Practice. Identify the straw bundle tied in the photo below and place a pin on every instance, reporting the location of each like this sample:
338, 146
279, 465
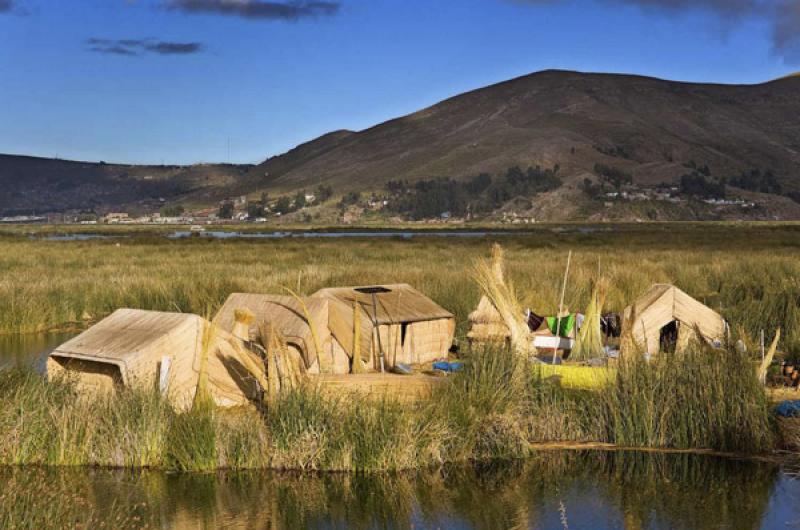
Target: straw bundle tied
589, 341
490, 279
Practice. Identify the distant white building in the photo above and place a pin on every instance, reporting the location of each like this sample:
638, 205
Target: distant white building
116, 217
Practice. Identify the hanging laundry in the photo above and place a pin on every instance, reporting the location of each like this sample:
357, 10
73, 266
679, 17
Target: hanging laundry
566, 325
534, 320
611, 324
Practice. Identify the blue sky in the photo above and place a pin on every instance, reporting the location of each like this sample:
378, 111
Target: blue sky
173, 81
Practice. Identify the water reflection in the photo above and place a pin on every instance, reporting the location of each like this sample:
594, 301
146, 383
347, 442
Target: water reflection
29, 350
553, 490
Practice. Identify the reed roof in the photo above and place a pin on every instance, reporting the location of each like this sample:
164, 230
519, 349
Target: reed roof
402, 303
124, 334
285, 313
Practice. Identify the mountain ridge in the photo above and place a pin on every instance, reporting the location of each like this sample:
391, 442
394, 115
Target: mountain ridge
652, 128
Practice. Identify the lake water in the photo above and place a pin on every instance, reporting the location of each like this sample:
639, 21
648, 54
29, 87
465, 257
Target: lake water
29, 350
558, 489
360, 234
554, 490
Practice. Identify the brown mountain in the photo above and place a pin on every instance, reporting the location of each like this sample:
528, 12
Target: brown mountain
648, 127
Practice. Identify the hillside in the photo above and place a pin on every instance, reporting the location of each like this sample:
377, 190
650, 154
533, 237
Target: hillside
647, 126
651, 128
40, 185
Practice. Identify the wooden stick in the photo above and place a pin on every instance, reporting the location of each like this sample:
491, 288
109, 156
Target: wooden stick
561, 307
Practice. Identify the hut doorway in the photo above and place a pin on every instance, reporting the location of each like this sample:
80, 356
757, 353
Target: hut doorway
668, 338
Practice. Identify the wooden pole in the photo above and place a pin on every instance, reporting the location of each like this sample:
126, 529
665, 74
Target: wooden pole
377, 329
561, 307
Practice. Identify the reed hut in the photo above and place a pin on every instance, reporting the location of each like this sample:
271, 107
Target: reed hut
666, 317
156, 350
293, 318
396, 320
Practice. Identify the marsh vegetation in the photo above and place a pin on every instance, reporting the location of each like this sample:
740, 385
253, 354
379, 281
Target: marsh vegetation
687, 401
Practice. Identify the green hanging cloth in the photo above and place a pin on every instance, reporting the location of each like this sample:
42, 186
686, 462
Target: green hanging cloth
567, 324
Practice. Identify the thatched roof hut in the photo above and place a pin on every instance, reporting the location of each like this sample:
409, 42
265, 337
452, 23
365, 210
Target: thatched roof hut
665, 305
412, 328
287, 315
151, 349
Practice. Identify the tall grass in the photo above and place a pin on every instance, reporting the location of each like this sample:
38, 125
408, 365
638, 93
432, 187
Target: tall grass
699, 399
696, 398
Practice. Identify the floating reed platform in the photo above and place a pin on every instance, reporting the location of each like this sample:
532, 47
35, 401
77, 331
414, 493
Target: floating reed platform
405, 388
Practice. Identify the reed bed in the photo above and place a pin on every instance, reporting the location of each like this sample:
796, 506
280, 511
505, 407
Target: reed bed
486, 412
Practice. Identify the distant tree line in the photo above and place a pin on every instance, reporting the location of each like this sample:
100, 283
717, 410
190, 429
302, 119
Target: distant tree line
698, 185
610, 179
480, 193
755, 180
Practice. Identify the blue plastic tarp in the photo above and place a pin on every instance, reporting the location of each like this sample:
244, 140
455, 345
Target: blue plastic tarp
448, 367
788, 409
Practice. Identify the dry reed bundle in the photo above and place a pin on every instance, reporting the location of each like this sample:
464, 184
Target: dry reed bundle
491, 280
324, 362
589, 341
762, 370
283, 371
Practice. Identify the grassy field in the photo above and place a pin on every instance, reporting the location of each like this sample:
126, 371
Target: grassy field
748, 272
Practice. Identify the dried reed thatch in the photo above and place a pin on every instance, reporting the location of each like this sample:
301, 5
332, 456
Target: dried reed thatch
501, 294
486, 324
357, 366
589, 340
324, 362
202, 394
283, 369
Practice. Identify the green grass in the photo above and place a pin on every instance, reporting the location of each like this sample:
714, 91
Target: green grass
697, 398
